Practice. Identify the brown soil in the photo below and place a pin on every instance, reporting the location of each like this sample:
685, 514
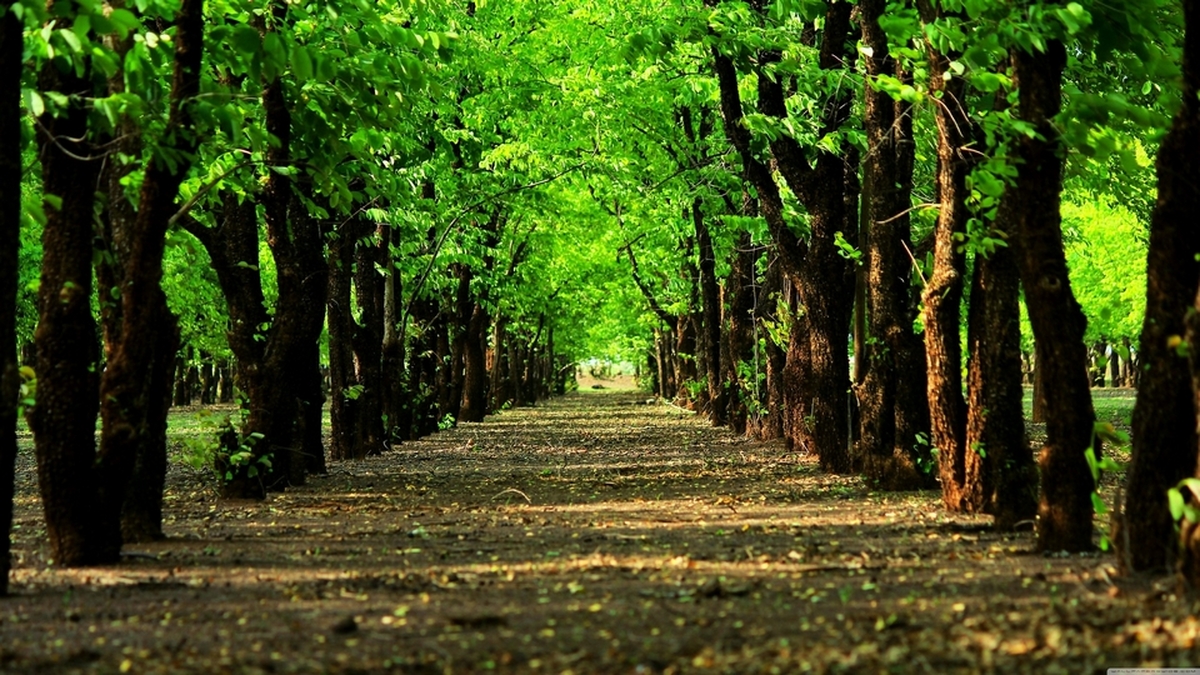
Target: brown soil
595, 533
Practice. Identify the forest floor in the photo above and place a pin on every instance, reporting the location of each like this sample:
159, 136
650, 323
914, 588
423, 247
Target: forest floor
596, 533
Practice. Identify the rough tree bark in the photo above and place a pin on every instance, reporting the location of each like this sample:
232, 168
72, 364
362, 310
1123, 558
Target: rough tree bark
395, 400
710, 307
817, 377
1065, 506
11, 53
475, 380
738, 343
67, 362
345, 391
995, 419
135, 388
892, 399
960, 471
1164, 417
368, 341
423, 366
769, 423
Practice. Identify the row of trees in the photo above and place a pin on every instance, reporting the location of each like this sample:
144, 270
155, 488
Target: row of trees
445, 202
280, 161
841, 123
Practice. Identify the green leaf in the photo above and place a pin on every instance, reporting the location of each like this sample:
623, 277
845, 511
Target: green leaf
1192, 484
1098, 504
1191, 513
34, 102
72, 40
1175, 503
302, 65
83, 25
245, 39
123, 21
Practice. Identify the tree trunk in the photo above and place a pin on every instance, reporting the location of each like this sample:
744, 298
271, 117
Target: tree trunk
11, 67
309, 389
663, 363
225, 385
960, 468
769, 424
475, 380
1065, 508
368, 344
67, 366
499, 370
1004, 467
1039, 388
302, 279
710, 303
1164, 417
815, 393
686, 371
423, 366
984, 459
464, 306
346, 440
739, 338
395, 399
893, 402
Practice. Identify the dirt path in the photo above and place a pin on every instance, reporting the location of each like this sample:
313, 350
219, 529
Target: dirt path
591, 534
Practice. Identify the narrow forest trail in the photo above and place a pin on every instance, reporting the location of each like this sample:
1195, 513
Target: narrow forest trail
593, 533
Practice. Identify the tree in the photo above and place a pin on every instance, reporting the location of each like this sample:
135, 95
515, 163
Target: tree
67, 364
1164, 418
1065, 506
894, 410
984, 462
12, 47
136, 384
817, 376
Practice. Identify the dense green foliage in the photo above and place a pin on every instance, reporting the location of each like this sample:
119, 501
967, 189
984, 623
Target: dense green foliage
582, 99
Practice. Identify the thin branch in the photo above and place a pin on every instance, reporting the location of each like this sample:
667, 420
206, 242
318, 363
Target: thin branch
187, 206
421, 280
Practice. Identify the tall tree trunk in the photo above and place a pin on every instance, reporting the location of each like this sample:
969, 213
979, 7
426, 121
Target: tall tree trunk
309, 390
232, 247
67, 365
136, 386
499, 372
893, 402
960, 469
739, 338
1164, 417
346, 440
1004, 471
984, 459
816, 392
475, 376
475, 380
770, 295
11, 67
450, 401
686, 368
710, 306
394, 383
302, 278
368, 343
423, 365
1065, 507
